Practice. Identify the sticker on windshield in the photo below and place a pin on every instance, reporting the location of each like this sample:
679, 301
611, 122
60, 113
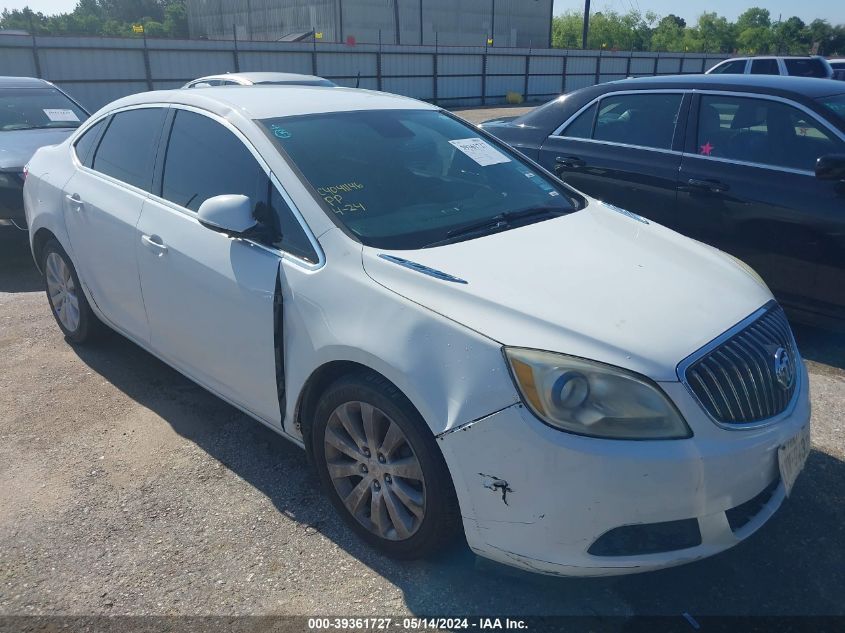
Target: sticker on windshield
57, 114
480, 151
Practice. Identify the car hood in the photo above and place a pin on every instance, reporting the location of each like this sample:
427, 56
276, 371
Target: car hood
18, 146
598, 284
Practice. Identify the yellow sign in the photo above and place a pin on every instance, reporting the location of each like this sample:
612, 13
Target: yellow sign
489, 41
318, 35
137, 28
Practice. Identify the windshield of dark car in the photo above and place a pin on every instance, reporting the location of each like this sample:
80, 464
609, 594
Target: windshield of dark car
405, 179
835, 103
31, 108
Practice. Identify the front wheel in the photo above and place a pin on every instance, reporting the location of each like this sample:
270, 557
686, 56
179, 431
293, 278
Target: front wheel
64, 292
382, 469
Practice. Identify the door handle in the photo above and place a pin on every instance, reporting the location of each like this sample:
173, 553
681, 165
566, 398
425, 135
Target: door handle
710, 185
75, 201
154, 242
569, 162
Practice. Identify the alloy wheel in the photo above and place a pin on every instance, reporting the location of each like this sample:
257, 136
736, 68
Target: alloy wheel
374, 470
62, 291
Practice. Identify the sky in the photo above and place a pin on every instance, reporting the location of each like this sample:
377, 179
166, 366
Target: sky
831, 10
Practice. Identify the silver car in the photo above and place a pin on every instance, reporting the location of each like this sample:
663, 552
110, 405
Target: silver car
33, 113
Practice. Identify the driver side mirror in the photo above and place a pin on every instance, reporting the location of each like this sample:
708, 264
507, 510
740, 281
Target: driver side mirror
229, 213
831, 167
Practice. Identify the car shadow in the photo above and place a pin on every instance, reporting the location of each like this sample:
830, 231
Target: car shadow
823, 346
793, 565
17, 269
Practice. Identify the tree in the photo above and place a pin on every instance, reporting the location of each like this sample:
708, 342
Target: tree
176, 20
566, 30
669, 34
712, 34
789, 36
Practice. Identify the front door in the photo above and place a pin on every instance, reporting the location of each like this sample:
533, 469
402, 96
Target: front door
747, 186
214, 302
621, 149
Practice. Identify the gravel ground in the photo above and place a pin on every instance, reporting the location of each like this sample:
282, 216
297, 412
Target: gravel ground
126, 489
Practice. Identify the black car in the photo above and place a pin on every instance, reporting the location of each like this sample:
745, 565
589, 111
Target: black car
33, 113
752, 164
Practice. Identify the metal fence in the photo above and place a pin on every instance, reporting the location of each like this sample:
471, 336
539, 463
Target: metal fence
98, 70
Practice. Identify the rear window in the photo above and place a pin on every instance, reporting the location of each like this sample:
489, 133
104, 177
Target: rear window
806, 67
735, 67
38, 108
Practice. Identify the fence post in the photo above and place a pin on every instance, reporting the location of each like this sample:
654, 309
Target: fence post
598, 67
527, 71
147, 72
563, 75
434, 68
656, 58
235, 54
628, 65
35, 57
703, 64
378, 62
314, 54
484, 76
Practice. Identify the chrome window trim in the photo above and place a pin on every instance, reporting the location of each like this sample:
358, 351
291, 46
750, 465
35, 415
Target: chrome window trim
614, 93
321, 257
784, 100
626, 145
681, 369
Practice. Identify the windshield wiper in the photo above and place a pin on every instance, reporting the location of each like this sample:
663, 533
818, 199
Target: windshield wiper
504, 220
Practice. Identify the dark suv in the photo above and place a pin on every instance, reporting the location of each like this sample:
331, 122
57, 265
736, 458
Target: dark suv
33, 113
753, 164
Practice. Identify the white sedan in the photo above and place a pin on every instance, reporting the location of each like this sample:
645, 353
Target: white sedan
456, 338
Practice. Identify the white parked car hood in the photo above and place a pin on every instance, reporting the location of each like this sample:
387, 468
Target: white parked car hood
596, 284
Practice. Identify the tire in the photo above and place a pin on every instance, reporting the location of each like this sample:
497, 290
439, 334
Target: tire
411, 472
64, 292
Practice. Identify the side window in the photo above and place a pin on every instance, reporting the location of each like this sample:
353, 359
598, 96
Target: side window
765, 67
762, 131
582, 126
127, 151
647, 120
84, 146
735, 67
204, 160
810, 67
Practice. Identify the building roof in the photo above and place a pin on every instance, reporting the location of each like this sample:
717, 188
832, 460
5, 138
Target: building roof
263, 102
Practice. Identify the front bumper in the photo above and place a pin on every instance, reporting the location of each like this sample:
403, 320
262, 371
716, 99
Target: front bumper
538, 498
11, 196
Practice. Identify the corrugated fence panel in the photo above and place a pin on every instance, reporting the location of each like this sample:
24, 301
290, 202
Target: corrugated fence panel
284, 62
407, 65
606, 78
187, 65
64, 64
669, 65
17, 62
98, 70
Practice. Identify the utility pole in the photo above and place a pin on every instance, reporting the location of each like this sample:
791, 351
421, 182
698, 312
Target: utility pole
586, 29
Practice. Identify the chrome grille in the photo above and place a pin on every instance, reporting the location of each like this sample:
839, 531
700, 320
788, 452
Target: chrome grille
737, 381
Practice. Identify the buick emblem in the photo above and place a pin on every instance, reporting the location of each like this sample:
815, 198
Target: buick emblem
784, 368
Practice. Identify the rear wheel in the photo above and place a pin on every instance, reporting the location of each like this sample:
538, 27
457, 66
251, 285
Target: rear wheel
64, 292
382, 469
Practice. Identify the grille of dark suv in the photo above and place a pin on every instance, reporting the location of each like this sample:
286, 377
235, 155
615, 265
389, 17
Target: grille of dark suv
751, 376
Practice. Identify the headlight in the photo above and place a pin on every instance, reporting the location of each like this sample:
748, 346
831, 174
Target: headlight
594, 399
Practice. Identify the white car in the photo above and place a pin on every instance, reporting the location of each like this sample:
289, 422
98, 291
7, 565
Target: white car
259, 79
456, 338
797, 66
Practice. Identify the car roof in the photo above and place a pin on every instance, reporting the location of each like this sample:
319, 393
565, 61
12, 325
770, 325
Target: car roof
807, 86
259, 77
24, 82
263, 102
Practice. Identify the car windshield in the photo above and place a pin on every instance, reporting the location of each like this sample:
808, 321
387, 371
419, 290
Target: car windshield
33, 108
836, 104
406, 179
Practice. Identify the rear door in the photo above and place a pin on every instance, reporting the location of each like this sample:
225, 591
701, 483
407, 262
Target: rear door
103, 201
623, 148
747, 186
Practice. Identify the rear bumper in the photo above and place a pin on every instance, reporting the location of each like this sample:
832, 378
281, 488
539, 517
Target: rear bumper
541, 499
